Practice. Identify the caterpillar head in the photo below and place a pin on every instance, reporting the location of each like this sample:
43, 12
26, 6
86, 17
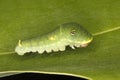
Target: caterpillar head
75, 34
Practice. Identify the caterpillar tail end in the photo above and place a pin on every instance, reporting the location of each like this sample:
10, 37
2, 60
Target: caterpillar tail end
19, 50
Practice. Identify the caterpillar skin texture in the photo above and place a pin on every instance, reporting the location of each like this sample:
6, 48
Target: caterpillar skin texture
68, 34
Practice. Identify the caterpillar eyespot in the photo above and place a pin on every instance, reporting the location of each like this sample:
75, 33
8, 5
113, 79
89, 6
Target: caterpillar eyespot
73, 32
56, 40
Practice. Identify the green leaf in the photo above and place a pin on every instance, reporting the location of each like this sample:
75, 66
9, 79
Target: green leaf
25, 19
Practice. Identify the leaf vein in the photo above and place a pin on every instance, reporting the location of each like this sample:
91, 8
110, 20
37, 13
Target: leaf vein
106, 31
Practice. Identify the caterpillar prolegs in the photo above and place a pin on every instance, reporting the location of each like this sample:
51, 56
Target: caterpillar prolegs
67, 34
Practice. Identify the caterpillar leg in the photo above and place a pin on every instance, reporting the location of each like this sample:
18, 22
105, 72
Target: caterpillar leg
40, 50
72, 46
62, 48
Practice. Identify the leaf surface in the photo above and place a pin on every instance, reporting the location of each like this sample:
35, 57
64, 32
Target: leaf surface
24, 19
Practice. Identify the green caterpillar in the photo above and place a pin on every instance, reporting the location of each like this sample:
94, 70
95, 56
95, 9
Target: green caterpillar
68, 34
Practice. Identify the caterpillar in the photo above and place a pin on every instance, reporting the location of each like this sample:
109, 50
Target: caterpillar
67, 34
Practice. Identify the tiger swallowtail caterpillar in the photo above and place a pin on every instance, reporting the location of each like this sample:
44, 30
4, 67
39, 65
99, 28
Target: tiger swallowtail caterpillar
67, 34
